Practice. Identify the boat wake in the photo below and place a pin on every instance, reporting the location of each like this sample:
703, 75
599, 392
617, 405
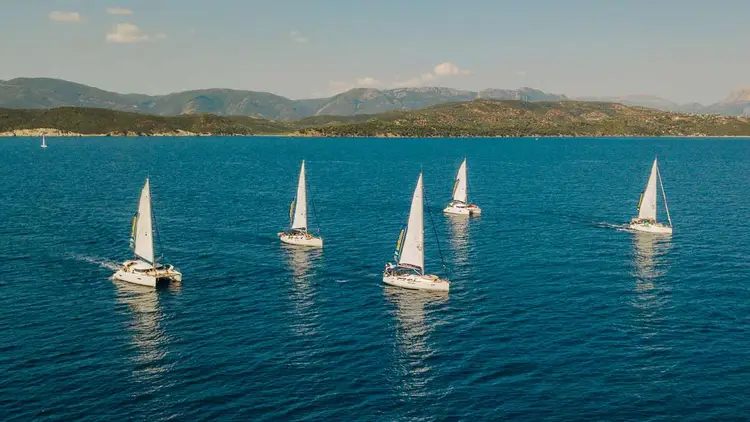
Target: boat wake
110, 265
619, 227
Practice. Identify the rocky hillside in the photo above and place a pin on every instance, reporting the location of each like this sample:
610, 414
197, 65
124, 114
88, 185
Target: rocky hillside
49, 93
41, 93
520, 118
90, 121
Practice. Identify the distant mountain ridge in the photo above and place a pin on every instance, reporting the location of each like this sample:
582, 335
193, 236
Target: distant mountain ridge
43, 93
737, 103
36, 93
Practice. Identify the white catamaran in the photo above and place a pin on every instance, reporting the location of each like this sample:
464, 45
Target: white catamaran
409, 271
143, 268
460, 204
646, 220
44, 142
297, 233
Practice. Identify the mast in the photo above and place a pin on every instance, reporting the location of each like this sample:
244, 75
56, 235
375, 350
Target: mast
144, 239
647, 205
460, 191
664, 195
300, 202
412, 251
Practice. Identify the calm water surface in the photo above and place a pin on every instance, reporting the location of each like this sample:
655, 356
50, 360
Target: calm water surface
554, 313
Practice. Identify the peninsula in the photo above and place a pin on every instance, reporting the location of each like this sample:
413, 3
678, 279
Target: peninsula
478, 118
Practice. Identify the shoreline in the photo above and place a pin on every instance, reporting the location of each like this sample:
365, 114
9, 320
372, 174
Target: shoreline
57, 133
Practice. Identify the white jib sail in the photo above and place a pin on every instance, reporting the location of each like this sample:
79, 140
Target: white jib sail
412, 252
459, 190
144, 239
300, 205
647, 208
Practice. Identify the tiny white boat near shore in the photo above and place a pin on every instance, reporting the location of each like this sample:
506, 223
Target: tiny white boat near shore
408, 272
143, 269
460, 204
646, 220
297, 233
44, 142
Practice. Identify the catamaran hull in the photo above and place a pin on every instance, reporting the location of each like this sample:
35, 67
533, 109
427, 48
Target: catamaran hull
651, 228
301, 240
417, 282
462, 209
151, 278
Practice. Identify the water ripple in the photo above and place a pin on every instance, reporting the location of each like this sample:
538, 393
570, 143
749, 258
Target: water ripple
556, 310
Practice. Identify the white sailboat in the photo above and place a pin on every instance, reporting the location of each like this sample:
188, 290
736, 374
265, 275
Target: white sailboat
646, 220
297, 233
44, 142
409, 271
143, 268
460, 203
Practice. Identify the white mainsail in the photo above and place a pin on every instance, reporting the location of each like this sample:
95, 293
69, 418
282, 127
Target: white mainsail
459, 188
144, 240
412, 252
300, 210
647, 206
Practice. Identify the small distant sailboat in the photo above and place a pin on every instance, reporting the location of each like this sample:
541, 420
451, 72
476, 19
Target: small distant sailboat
44, 142
297, 233
646, 220
459, 205
409, 271
143, 268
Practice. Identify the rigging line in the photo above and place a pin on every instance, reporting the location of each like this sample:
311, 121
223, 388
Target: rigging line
312, 201
434, 230
156, 227
664, 195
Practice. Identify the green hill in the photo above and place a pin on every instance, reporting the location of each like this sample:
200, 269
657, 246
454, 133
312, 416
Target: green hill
520, 118
474, 118
100, 121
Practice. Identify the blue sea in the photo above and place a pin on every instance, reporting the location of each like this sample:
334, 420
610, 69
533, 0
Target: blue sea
555, 312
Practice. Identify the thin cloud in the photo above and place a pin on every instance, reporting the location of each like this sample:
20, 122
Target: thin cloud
367, 81
297, 37
71, 17
521, 73
449, 69
119, 11
440, 71
126, 33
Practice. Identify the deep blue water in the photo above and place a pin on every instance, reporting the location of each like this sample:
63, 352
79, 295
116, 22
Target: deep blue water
554, 313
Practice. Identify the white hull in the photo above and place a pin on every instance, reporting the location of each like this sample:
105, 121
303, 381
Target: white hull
651, 228
417, 282
462, 209
149, 277
301, 240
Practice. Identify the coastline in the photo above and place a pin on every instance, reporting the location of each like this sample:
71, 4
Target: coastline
52, 133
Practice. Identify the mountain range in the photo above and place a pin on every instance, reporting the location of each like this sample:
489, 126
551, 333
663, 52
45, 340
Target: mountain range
44, 93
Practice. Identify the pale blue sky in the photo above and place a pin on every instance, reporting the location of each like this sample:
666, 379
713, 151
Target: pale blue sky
686, 50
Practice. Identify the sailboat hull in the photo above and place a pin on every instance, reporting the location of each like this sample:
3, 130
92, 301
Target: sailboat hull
142, 273
656, 228
307, 240
462, 209
417, 282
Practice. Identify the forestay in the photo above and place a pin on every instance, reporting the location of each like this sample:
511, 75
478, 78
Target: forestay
300, 211
144, 240
412, 252
647, 207
460, 189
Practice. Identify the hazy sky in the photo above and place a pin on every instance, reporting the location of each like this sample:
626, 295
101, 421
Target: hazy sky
688, 50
